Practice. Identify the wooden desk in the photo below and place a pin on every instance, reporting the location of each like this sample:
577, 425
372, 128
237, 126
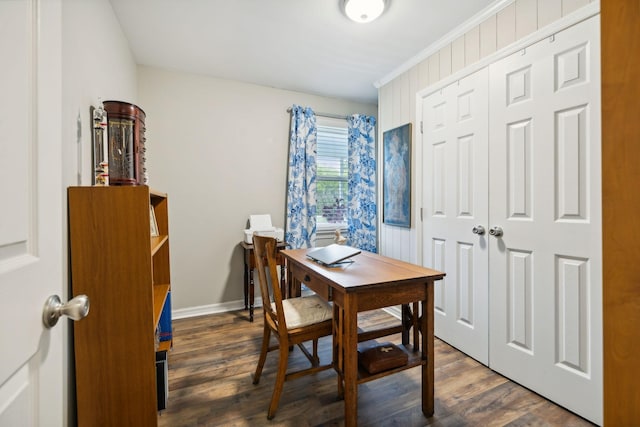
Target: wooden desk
249, 266
370, 282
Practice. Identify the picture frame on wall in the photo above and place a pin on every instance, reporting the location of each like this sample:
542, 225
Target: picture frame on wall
397, 176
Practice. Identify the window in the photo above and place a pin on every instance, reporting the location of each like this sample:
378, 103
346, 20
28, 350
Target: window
332, 174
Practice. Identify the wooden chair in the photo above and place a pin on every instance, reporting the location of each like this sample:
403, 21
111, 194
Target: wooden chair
293, 321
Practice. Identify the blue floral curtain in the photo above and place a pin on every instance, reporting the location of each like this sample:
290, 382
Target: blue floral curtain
300, 229
361, 207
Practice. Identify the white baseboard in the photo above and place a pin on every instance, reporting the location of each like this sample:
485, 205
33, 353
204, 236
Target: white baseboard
395, 311
184, 313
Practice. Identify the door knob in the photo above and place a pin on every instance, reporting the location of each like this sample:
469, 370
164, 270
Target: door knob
76, 309
478, 229
495, 231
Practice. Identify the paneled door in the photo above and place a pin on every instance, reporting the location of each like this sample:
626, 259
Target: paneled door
32, 371
455, 197
545, 211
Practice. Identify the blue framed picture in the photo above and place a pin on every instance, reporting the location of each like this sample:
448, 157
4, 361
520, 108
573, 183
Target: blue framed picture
397, 176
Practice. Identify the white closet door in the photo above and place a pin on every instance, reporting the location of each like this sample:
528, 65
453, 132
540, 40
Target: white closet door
455, 196
545, 194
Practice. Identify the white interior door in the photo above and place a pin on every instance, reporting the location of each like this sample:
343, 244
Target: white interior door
455, 197
31, 368
545, 194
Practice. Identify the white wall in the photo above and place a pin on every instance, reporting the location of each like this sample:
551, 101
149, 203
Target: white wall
219, 149
457, 50
96, 62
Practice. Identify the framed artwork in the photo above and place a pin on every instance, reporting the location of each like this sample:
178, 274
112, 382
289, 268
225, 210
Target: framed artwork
152, 222
397, 176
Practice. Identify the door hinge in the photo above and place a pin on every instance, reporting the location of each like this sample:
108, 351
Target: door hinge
420, 214
421, 126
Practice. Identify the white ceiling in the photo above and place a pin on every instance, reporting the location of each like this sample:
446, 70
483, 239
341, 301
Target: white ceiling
301, 45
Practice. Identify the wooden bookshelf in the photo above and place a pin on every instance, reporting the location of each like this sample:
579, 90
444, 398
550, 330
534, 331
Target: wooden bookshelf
125, 272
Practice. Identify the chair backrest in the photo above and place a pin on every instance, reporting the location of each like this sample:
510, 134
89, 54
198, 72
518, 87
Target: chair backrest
264, 250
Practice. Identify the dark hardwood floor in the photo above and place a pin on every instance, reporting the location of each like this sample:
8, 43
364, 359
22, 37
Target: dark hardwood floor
214, 357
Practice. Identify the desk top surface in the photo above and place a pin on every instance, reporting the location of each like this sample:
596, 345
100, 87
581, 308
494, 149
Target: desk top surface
367, 269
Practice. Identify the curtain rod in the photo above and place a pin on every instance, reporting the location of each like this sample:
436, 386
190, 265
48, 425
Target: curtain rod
331, 116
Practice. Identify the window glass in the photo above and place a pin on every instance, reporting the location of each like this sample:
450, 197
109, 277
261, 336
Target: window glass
332, 174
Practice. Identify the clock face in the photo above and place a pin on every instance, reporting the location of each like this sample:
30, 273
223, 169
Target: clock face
122, 165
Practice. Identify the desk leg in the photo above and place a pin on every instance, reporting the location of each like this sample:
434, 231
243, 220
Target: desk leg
283, 283
338, 334
350, 367
410, 319
406, 323
426, 327
415, 319
246, 285
251, 295
291, 284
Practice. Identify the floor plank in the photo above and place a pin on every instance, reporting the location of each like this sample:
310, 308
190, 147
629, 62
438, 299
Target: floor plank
214, 357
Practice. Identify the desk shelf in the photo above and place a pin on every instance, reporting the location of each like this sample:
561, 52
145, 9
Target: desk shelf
415, 359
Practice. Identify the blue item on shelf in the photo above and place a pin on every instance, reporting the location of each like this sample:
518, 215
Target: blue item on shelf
166, 331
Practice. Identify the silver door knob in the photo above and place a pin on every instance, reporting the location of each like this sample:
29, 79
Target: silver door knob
76, 309
478, 229
495, 231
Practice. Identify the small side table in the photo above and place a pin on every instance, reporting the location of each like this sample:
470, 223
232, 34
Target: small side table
250, 265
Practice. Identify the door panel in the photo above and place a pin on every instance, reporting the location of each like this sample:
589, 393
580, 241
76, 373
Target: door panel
519, 305
573, 303
572, 168
31, 380
544, 180
437, 259
455, 196
519, 197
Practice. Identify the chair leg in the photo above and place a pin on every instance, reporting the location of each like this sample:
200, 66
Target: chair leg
340, 388
316, 359
263, 353
283, 360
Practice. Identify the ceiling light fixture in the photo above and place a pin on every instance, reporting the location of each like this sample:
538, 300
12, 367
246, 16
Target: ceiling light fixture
363, 11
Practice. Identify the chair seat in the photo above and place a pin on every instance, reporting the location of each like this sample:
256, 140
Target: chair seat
304, 311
